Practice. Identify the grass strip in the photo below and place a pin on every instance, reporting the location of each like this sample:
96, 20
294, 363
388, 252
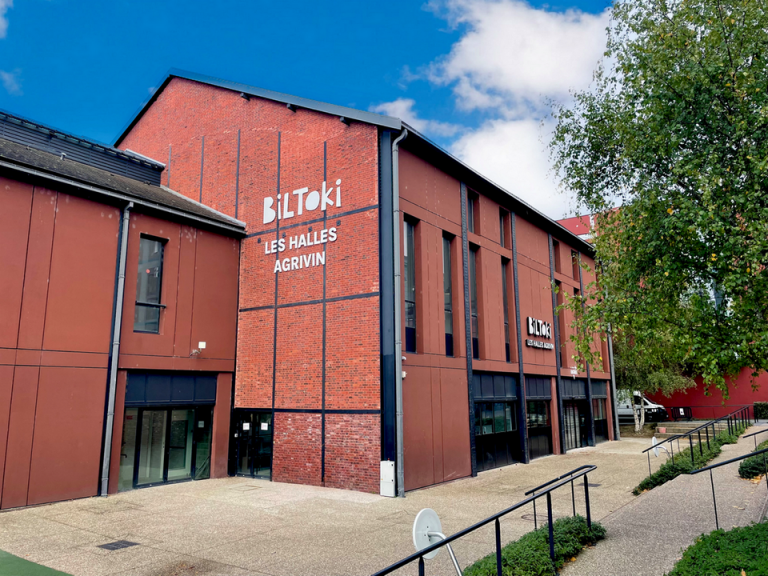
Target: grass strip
682, 463
736, 552
11, 565
529, 556
754, 466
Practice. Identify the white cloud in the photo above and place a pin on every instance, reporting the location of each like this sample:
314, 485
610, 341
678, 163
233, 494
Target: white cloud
4, 6
11, 82
510, 59
403, 108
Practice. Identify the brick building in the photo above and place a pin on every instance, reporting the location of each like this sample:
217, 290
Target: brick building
394, 305
111, 285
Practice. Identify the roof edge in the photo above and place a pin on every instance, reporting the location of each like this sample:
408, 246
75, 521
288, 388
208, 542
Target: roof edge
388, 122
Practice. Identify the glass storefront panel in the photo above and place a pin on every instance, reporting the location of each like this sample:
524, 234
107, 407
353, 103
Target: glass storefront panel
254, 444
203, 429
128, 449
152, 447
180, 445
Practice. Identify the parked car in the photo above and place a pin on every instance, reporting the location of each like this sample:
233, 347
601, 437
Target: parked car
626, 404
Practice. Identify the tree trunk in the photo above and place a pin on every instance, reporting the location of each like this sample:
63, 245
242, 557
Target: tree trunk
639, 413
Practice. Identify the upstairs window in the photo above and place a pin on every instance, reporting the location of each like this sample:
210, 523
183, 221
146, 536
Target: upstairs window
472, 212
473, 301
575, 261
409, 265
447, 296
505, 299
503, 226
149, 285
556, 253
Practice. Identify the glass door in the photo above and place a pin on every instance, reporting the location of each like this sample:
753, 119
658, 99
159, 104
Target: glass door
165, 445
253, 444
152, 442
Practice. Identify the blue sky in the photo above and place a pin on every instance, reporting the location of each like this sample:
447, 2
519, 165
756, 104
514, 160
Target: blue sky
471, 74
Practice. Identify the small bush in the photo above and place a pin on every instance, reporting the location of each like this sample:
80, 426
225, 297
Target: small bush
529, 556
753, 467
760, 410
732, 553
682, 463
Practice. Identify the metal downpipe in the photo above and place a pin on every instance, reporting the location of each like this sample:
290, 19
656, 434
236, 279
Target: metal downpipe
115, 350
399, 468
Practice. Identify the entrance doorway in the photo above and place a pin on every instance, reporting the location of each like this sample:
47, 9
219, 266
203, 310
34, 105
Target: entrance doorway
601, 419
163, 445
497, 440
539, 428
253, 444
575, 414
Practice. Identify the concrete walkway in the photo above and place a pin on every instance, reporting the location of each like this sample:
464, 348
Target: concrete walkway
240, 526
648, 535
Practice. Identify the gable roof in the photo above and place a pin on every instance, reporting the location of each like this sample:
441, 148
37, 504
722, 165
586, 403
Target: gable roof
416, 142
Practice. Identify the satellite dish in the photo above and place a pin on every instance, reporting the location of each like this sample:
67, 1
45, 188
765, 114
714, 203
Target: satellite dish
427, 521
655, 443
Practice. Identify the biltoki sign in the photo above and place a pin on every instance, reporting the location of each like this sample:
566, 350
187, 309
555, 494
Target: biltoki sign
541, 329
286, 206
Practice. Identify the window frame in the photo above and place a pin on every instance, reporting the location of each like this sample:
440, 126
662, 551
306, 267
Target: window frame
140, 303
409, 277
448, 294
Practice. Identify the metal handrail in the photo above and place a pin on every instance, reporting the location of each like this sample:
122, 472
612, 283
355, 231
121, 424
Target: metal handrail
755, 434
741, 414
568, 477
731, 461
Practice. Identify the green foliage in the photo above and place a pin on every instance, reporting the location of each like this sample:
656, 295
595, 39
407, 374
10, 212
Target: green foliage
761, 410
529, 556
732, 553
754, 466
682, 463
675, 132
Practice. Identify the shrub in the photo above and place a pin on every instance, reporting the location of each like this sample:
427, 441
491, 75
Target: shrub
754, 466
682, 463
529, 556
760, 410
735, 552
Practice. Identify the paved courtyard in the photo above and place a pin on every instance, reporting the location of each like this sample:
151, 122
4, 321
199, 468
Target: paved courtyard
241, 526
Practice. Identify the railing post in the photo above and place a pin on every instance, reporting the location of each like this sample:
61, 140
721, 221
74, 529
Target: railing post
551, 527
498, 548
714, 500
573, 498
672, 449
649, 463
586, 498
535, 519
690, 441
701, 448
707, 431
421, 565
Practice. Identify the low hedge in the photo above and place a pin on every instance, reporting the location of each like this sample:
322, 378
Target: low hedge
733, 553
760, 410
529, 556
753, 467
682, 463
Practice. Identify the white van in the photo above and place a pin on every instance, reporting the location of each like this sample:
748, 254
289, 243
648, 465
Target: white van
653, 412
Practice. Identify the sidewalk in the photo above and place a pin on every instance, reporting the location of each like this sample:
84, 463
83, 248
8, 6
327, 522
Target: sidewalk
648, 535
242, 526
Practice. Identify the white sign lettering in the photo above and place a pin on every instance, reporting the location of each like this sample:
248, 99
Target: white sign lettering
280, 208
539, 328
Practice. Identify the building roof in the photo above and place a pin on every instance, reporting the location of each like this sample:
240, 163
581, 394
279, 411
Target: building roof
100, 183
416, 142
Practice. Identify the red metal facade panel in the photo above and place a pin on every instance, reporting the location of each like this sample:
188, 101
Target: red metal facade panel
6, 388
82, 276
69, 419
21, 428
36, 276
16, 200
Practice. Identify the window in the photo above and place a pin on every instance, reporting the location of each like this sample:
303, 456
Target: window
556, 253
149, 286
494, 418
447, 296
575, 265
409, 261
472, 212
473, 301
503, 219
538, 413
505, 299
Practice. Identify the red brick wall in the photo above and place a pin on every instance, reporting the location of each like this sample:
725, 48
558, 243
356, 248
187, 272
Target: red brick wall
308, 146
